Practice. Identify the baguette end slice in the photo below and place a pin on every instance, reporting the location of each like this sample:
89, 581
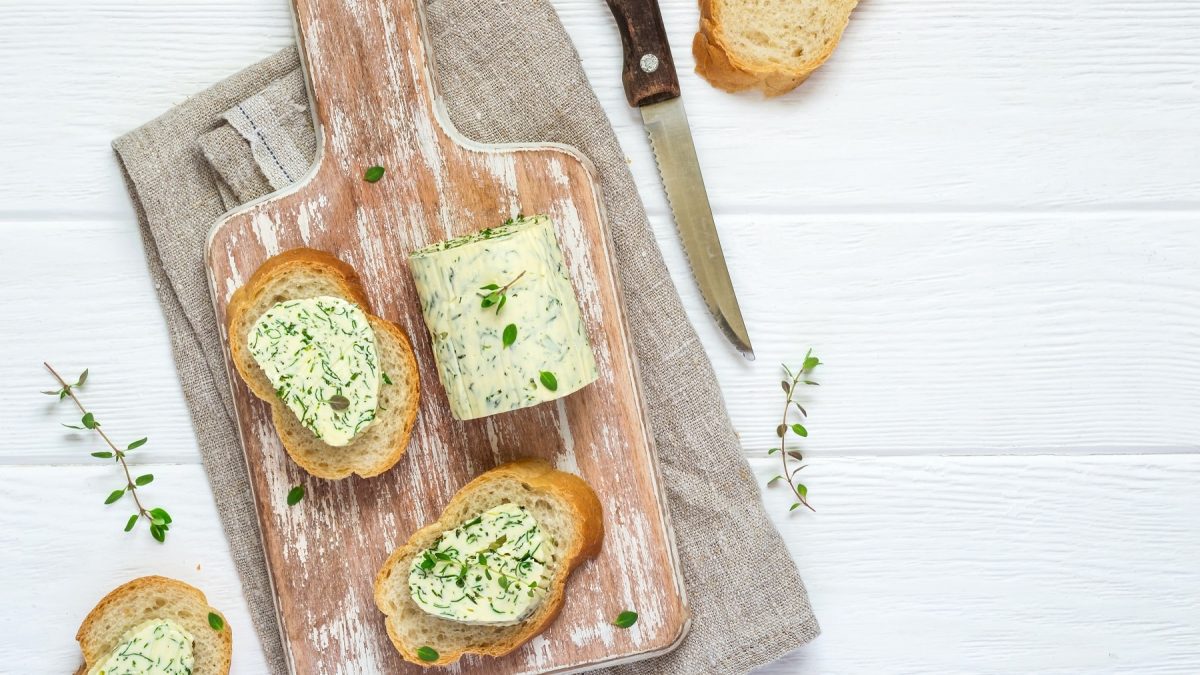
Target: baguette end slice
566, 509
153, 597
306, 273
772, 45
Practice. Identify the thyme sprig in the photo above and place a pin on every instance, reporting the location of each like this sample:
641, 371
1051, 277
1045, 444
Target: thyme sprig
496, 294
793, 381
157, 517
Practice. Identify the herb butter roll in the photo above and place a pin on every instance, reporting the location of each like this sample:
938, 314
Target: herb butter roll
504, 320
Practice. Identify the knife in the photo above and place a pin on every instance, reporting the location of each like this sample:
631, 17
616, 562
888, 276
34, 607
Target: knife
652, 86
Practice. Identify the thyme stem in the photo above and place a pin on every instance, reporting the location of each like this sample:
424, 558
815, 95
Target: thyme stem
783, 442
119, 454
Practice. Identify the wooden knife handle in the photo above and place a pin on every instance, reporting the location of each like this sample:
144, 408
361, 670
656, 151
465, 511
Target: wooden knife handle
649, 71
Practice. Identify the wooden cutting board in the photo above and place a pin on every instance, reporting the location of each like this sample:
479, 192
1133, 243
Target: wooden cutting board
369, 72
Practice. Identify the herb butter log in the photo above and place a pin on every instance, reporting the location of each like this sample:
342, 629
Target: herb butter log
155, 626
505, 324
492, 572
342, 383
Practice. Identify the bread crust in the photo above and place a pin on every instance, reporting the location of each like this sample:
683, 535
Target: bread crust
541, 477
350, 287
136, 587
718, 63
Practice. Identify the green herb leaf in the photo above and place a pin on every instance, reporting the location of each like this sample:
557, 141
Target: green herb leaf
626, 619
549, 381
802, 490
504, 582
114, 496
428, 563
500, 305
774, 480
373, 174
159, 533
89, 421
82, 378
52, 392
131, 522
510, 334
490, 287
71, 426
810, 363
787, 387
295, 495
772, 451
799, 430
144, 479
386, 379
136, 444
215, 621
102, 455
427, 654
794, 506
811, 383
161, 514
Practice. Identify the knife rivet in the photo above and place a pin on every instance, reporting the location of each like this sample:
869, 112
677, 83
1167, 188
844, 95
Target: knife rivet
649, 63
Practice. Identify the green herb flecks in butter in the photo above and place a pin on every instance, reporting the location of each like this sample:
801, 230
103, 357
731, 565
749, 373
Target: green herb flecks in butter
489, 570
473, 289
320, 355
155, 647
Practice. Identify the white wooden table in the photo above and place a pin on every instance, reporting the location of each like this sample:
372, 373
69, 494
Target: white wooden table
984, 215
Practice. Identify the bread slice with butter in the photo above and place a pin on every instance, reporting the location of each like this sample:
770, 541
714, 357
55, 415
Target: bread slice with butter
512, 537
342, 383
772, 45
156, 626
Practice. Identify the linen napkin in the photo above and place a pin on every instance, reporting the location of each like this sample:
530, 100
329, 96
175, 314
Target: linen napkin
252, 134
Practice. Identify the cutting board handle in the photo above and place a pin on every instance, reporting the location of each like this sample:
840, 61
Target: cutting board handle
368, 69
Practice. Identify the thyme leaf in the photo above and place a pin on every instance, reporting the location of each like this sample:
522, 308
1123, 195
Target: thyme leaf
626, 619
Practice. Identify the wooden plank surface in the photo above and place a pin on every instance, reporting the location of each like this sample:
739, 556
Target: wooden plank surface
1024, 126
324, 555
1045, 564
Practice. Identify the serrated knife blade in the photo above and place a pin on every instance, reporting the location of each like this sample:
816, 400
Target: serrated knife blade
652, 86
675, 152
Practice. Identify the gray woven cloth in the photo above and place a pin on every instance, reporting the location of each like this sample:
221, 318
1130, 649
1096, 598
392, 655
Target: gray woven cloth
252, 134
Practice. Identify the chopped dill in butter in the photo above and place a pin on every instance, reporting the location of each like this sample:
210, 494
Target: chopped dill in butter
489, 570
320, 355
155, 647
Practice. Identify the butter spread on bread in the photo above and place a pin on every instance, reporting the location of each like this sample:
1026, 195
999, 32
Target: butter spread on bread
320, 355
569, 521
154, 647
482, 373
485, 571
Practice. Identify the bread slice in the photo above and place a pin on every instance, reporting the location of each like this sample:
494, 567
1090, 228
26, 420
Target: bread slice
307, 273
140, 600
772, 45
567, 511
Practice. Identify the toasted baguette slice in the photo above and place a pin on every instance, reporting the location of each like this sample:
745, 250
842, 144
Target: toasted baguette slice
307, 273
566, 510
148, 598
772, 45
